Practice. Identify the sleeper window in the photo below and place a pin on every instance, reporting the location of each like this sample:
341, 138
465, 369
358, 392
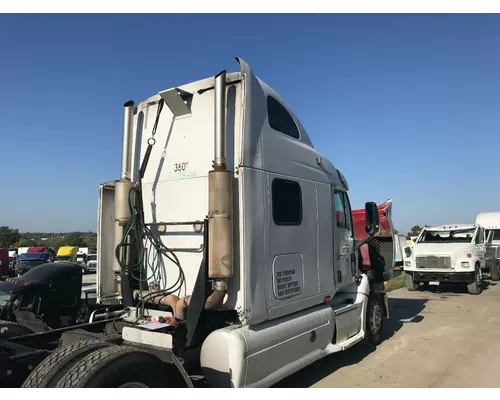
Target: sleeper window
286, 202
280, 119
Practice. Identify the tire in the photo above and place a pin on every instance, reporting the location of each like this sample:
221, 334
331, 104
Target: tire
494, 271
410, 283
115, 367
475, 287
374, 320
50, 370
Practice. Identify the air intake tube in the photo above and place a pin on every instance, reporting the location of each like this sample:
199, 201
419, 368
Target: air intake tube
220, 239
122, 210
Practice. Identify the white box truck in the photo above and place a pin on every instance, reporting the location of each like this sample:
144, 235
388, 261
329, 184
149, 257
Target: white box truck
447, 254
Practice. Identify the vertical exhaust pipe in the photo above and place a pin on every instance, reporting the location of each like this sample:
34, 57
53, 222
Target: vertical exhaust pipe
122, 210
220, 121
128, 118
123, 186
220, 241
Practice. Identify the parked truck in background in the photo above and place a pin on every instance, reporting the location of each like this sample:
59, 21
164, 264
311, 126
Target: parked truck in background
92, 262
28, 261
4, 263
67, 254
490, 221
447, 254
12, 261
235, 248
39, 249
22, 250
81, 259
42, 249
385, 242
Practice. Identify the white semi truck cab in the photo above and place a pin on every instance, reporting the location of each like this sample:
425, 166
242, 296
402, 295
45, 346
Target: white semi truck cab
229, 241
447, 254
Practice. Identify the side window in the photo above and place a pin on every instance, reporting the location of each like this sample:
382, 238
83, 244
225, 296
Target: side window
286, 202
280, 119
340, 212
348, 213
479, 237
28, 299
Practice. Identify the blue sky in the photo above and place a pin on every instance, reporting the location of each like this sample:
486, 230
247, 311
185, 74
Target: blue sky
407, 106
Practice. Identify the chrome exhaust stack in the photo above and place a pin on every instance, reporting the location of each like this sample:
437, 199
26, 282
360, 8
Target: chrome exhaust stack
122, 191
128, 119
220, 241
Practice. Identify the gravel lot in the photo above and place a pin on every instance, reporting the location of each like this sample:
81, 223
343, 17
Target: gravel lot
439, 338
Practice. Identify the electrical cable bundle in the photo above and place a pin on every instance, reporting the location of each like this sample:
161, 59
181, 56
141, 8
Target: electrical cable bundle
146, 242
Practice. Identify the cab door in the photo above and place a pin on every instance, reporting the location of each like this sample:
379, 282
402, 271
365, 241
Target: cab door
345, 256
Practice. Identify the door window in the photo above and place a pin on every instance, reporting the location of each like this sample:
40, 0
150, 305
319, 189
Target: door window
343, 213
479, 237
348, 213
340, 212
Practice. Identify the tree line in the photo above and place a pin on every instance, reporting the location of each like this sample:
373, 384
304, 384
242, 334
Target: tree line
12, 238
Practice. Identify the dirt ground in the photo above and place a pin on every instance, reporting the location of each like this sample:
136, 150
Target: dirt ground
439, 338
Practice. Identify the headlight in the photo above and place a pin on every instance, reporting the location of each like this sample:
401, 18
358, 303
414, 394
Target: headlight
465, 264
407, 263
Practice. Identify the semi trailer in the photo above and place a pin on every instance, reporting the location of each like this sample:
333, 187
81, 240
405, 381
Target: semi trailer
230, 245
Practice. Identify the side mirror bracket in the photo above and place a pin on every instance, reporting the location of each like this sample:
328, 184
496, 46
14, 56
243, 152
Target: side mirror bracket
372, 222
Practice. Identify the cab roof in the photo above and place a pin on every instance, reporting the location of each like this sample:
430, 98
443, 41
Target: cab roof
452, 227
489, 220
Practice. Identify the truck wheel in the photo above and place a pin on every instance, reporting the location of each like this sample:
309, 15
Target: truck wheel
410, 283
50, 370
475, 287
117, 367
494, 271
374, 320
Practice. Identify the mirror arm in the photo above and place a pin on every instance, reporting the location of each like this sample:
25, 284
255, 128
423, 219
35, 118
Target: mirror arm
360, 243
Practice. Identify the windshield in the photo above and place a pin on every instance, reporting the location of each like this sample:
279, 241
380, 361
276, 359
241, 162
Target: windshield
30, 263
451, 236
496, 233
63, 258
93, 257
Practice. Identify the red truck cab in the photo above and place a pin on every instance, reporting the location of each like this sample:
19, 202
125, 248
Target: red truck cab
378, 254
4, 263
38, 250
